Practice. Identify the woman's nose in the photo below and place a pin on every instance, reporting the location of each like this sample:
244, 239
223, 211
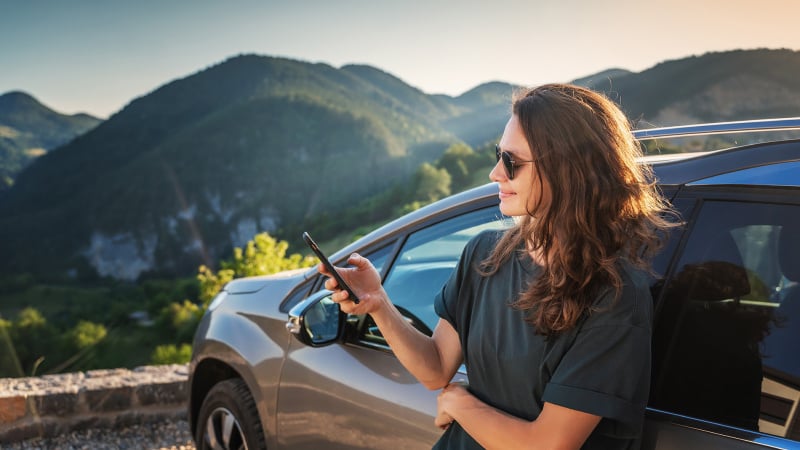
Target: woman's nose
497, 174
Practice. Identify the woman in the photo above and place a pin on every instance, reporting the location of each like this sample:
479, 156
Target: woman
553, 316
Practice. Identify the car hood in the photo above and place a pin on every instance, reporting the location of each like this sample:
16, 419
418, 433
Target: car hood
253, 284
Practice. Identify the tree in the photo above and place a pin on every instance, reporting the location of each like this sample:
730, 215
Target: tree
211, 283
34, 339
264, 255
458, 160
30, 319
180, 319
86, 334
431, 183
172, 354
9, 362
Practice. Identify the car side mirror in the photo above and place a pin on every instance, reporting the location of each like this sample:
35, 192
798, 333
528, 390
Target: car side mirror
316, 321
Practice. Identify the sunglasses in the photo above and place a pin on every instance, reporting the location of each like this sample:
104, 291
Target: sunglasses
509, 163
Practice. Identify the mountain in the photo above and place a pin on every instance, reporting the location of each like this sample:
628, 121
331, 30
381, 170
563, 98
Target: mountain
602, 78
29, 129
487, 108
180, 175
718, 86
257, 143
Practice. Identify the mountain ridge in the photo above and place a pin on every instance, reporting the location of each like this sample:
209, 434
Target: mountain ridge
258, 143
212, 152
29, 129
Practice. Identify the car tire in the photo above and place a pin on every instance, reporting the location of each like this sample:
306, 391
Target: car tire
228, 419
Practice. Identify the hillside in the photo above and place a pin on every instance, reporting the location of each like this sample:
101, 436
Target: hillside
601, 80
723, 86
29, 129
256, 143
182, 174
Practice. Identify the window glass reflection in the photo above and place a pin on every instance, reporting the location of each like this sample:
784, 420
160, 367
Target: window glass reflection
730, 318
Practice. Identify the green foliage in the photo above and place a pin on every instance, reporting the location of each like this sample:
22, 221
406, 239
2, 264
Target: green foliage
463, 163
413, 206
9, 361
263, 255
171, 354
86, 334
157, 294
180, 320
455, 161
15, 282
64, 304
211, 283
34, 340
431, 183
182, 314
30, 319
81, 327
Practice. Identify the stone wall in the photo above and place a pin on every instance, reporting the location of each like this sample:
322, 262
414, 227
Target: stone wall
54, 404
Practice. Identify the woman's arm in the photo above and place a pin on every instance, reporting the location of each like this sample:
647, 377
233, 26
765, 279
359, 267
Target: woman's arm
433, 360
556, 427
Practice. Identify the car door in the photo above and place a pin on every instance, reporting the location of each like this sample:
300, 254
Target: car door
356, 394
726, 370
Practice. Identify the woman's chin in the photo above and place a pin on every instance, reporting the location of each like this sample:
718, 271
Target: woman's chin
511, 210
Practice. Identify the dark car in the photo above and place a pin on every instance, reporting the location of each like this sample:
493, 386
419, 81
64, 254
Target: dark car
277, 365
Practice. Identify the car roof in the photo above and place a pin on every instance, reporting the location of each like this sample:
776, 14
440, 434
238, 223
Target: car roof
680, 169
696, 167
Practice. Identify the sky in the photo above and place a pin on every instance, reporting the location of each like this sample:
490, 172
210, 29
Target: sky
95, 56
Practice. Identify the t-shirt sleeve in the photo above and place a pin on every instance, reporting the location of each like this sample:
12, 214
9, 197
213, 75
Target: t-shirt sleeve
446, 301
449, 302
606, 372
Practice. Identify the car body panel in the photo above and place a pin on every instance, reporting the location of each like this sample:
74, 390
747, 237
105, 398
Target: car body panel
385, 407
668, 431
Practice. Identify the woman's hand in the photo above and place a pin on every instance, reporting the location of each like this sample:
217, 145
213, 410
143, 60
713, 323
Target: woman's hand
363, 279
433, 360
447, 402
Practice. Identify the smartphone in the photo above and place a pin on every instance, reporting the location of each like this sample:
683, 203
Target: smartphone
329, 267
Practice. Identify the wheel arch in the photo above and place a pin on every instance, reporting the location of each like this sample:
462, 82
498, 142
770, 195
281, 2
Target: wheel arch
206, 374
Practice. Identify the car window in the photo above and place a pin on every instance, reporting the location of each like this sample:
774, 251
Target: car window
298, 293
661, 261
378, 257
729, 320
425, 262
781, 174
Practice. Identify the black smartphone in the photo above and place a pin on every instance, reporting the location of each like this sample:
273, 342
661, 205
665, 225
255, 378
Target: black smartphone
329, 267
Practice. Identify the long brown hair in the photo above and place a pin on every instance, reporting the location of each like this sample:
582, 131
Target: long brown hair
604, 206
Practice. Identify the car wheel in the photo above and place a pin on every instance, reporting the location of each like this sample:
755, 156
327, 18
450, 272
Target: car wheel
228, 419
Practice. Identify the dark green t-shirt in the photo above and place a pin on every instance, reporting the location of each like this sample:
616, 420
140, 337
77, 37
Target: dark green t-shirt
601, 367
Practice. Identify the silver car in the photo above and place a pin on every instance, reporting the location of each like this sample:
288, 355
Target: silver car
277, 365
